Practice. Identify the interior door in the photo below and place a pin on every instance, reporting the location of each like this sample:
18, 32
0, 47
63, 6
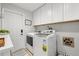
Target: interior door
14, 23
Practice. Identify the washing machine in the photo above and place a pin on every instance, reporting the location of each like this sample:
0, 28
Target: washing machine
45, 43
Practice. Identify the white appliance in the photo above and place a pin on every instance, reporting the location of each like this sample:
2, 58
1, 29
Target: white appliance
45, 43
68, 43
29, 41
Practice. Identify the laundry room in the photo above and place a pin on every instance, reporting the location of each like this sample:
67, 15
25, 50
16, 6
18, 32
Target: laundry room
39, 29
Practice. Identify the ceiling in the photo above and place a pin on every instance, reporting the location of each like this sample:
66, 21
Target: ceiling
29, 6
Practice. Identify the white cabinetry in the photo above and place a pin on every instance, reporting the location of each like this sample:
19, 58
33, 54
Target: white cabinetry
45, 14
49, 13
36, 17
71, 11
57, 12
42, 15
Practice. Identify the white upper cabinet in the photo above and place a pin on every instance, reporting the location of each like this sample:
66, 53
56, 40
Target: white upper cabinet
36, 17
45, 14
57, 12
49, 13
71, 11
42, 15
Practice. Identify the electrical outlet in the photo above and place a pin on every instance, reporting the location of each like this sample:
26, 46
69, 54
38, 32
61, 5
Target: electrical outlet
68, 41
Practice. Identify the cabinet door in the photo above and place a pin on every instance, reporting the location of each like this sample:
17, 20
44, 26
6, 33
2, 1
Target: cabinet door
42, 15
71, 11
57, 12
45, 14
36, 17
